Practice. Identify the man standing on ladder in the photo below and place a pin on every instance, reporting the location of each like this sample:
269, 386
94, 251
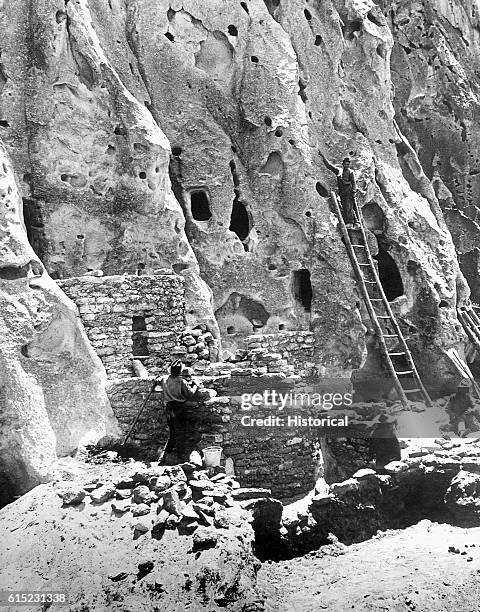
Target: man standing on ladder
347, 189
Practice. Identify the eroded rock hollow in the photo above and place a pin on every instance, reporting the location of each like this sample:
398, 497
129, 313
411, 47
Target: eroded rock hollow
186, 135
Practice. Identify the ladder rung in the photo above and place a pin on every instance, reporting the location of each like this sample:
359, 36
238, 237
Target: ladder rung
412, 390
359, 246
370, 282
363, 264
396, 354
376, 300
384, 317
405, 372
390, 335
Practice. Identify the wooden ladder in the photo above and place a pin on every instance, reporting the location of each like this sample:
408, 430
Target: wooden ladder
471, 324
389, 335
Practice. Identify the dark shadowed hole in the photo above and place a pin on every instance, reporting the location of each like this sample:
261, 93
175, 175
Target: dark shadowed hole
232, 30
239, 221
142, 175
176, 151
302, 288
389, 274
13, 272
140, 341
170, 36
254, 59
322, 190
245, 7
200, 206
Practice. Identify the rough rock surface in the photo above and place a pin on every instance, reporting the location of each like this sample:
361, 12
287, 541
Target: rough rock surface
162, 561
92, 160
255, 89
52, 385
437, 99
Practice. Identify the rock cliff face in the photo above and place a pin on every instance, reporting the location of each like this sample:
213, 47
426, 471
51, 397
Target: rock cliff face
437, 88
52, 385
187, 134
247, 93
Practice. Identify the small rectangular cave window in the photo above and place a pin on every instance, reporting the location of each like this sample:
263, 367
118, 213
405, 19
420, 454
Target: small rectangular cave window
200, 205
302, 289
139, 337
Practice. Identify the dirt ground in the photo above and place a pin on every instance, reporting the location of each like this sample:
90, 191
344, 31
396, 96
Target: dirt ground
397, 571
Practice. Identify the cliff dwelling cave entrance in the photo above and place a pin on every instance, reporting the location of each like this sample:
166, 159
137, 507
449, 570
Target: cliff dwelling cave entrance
200, 205
302, 289
388, 271
139, 337
32, 217
240, 221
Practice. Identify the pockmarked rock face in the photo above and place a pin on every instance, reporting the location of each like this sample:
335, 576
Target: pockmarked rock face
52, 385
95, 96
435, 73
93, 160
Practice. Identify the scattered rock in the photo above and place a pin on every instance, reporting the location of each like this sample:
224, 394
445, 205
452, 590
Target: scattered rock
140, 510
162, 483
121, 506
221, 519
141, 495
103, 494
243, 493
71, 496
171, 502
204, 537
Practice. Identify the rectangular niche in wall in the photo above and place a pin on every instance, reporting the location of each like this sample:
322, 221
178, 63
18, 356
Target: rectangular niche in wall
139, 337
200, 205
302, 289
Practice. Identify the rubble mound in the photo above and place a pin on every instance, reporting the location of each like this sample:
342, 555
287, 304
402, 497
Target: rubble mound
132, 536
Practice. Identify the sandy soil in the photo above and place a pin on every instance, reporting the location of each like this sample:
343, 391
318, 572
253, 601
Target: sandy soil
398, 571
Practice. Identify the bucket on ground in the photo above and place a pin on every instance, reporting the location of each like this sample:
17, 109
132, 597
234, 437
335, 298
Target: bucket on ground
212, 455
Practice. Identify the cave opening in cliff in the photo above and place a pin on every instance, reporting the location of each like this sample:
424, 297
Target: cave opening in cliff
388, 272
32, 217
200, 205
240, 221
373, 217
139, 336
302, 288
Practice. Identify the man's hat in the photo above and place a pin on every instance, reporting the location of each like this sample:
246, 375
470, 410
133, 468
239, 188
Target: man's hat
346, 159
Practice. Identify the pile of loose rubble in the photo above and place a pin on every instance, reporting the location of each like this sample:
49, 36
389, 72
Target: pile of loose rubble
183, 497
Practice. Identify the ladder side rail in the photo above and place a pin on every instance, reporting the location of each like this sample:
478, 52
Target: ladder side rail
473, 315
474, 320
471, 325
366, 298
390, 312
474, 339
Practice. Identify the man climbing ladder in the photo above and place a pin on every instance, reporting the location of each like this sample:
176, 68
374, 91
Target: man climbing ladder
347, 189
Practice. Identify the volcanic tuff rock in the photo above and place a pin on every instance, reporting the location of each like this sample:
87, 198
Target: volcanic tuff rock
52, 385
94, 97
437, 99
254, 90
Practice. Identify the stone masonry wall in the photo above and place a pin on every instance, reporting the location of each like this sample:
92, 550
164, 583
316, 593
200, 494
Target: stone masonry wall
129, 317
283, 458
287, 352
